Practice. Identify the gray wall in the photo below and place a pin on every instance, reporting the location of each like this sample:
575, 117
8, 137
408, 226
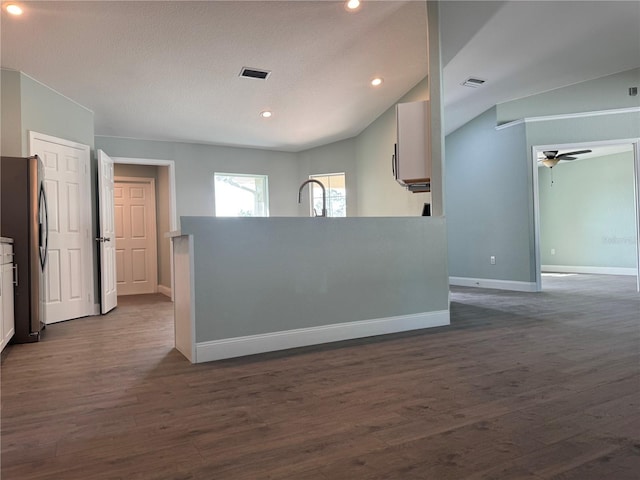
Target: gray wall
46, 111
487, 200
161, 177
333, 158
255, 275
195, 165
489, 180
43, 110
603, 93
581, 130
10, 114
378, 192
575, 131
588, 214
365, 159
134, 170
11, 130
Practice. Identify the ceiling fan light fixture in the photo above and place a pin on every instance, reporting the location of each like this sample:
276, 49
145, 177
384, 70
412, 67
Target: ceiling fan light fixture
552, 157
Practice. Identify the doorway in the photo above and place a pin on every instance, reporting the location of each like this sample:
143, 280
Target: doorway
143, 215
586, 211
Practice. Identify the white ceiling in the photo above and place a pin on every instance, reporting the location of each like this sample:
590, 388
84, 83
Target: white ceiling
169, 70
526, 47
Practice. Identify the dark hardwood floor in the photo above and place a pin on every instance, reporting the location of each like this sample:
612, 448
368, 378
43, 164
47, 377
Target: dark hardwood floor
520, 386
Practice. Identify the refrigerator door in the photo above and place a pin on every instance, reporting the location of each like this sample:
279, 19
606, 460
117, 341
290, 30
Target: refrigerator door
43, 250
36, 254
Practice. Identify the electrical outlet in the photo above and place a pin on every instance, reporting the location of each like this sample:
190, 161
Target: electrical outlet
553, 251
492, 259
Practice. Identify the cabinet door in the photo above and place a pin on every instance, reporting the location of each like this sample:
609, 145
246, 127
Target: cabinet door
7, 302
413, 155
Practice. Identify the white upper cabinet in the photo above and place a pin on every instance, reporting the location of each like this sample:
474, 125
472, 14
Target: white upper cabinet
412, 159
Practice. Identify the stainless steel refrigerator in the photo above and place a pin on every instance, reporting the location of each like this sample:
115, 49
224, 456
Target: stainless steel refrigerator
24, 218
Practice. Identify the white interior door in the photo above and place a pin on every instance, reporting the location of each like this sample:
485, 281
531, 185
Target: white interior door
107, 237
68, 272
136, 237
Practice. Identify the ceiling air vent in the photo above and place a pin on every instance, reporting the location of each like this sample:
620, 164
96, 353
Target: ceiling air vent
473, 82
254, 73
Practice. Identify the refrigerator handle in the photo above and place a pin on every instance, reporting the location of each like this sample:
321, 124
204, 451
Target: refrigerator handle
44, 229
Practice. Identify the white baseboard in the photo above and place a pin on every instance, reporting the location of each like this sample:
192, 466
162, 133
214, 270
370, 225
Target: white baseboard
596, 270
302, 337
491, 283
166, 291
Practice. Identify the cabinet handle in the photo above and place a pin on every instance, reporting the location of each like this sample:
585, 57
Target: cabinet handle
15, 275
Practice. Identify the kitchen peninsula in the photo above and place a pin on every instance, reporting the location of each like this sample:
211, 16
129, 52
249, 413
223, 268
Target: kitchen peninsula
251, 285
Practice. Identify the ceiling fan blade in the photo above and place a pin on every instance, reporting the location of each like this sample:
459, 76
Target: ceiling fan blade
577, 152
566, 158
550, 153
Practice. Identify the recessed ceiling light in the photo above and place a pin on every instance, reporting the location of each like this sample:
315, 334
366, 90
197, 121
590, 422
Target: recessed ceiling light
376, 82
352, 5
266, 114
13, 9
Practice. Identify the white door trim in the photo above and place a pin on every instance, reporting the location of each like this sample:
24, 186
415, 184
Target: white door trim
173, 218
535, 149
636, 169
60, 141
86, 210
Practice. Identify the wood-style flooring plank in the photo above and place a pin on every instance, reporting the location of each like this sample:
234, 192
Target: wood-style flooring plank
521, 386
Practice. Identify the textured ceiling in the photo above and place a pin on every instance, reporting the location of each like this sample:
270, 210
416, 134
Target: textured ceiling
522, 48
169, 70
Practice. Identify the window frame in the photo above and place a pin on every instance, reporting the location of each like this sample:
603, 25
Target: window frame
247, 175
317, 176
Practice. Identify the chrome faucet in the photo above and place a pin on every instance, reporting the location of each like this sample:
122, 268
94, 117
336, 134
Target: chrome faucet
324, 196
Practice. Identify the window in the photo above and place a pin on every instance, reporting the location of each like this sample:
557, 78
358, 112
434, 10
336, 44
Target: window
239, 195
334, 184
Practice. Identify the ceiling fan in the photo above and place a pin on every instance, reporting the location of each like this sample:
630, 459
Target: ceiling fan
552, 158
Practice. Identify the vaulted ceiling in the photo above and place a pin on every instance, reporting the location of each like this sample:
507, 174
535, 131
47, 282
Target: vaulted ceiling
169, 70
